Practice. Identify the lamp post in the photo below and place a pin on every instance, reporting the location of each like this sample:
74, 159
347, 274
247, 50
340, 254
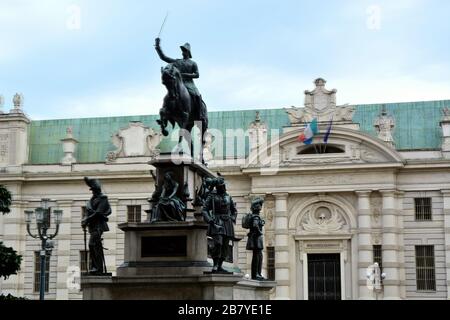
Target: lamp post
42, 215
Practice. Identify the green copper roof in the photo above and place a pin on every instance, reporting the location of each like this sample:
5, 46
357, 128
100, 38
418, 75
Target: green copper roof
93, 135
417, 127
416, 123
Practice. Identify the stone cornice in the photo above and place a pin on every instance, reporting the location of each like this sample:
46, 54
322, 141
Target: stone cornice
14, 116
64, 202
388, 192
351, 167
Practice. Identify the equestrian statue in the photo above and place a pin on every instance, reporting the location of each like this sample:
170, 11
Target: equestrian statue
183, 103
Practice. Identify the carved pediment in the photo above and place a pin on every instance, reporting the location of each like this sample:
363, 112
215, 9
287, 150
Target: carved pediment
136, 140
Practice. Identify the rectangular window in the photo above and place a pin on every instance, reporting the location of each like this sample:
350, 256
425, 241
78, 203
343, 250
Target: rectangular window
425, 270
84, 261
422, 209
37, 271
134, 213
271, 263
378, 256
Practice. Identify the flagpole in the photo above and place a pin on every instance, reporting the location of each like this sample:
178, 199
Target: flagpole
330, 124
312, 142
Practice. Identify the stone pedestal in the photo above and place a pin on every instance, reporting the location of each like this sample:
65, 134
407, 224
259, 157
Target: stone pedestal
169, 248
163, 287
169, 260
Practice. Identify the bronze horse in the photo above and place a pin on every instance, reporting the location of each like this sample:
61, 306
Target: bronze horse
179, 107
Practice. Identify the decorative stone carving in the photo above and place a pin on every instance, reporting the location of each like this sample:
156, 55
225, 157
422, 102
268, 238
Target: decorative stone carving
4, 148
375, 207
355, 152
376, 239
257, 132
446, 114
270, 238
370, 156
18, 103
69, 144
17, 100
268, 213
345, 113
317, 160
445, 125
136, 140
323, 218
320, 99
321, 104
384, 125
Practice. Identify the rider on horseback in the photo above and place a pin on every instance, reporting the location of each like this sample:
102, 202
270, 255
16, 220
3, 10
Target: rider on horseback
189, 72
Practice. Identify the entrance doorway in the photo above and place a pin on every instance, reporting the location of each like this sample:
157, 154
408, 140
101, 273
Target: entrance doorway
324, 277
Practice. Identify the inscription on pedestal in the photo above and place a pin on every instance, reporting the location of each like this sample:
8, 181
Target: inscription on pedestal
164, 246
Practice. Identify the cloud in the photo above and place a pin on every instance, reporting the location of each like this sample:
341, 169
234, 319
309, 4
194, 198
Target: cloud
244, 87
389, 90
26, 24
133, 100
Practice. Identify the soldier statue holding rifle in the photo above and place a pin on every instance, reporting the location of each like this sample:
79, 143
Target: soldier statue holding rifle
97, 212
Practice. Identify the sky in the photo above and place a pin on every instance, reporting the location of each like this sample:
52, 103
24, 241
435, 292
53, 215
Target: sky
84, 58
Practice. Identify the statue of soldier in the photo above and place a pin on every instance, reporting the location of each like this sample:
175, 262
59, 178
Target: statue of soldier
97, 212
255, 237
189, 72
205, 189
219, 211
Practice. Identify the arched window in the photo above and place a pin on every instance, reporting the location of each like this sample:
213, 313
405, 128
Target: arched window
322, 148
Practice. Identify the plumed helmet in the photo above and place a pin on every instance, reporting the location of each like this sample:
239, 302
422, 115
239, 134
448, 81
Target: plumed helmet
220, 181
257, 201
187, 47
93, 183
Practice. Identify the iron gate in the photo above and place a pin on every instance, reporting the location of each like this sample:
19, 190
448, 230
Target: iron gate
324, 277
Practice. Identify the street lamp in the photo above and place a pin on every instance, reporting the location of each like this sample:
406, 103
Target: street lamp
42, 215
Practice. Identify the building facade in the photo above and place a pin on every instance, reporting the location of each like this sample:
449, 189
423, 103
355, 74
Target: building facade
374, 186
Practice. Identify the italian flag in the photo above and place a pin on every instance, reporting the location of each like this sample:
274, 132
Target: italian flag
311, 129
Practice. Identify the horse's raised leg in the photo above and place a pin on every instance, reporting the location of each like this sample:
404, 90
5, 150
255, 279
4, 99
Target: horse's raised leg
184, 131
191, 141
163, 122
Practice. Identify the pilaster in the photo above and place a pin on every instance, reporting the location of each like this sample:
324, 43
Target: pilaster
282, 272
390, 254
365, 255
